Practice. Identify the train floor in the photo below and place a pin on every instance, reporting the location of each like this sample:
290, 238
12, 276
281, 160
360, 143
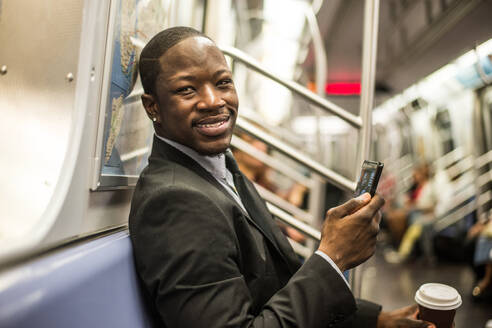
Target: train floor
394, 286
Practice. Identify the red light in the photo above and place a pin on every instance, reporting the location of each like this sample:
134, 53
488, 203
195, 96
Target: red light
342, 89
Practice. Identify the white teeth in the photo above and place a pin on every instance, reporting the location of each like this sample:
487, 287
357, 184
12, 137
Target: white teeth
213, 125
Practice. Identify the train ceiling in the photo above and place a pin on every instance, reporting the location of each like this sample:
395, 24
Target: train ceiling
415, 38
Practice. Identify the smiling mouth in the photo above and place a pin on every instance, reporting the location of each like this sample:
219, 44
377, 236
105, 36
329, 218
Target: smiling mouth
213, 126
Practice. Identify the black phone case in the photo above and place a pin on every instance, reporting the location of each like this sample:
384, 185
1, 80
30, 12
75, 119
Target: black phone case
374, 185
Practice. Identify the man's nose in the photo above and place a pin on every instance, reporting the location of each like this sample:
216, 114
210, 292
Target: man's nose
210, 98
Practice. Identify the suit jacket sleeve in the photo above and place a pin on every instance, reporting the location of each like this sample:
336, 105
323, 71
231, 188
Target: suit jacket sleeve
186, 253
366, 315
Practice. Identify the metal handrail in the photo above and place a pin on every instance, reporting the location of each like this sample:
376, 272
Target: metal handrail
483, 159
285, 217
276, 200
485, 178
332, 176
300, 249
461, 197
455, 216
462, 211
449, 158
459, 209
463, 165
399, 164
465, 180
271, 161
278, 130
313, 98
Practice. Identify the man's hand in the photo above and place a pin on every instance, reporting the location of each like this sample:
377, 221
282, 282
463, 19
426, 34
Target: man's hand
349, 232
402, 318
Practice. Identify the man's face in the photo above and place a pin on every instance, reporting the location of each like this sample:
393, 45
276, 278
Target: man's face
195, 97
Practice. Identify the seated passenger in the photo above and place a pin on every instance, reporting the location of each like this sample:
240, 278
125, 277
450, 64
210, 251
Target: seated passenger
254, 169
479, 237
418, 215
258, 172
206, 248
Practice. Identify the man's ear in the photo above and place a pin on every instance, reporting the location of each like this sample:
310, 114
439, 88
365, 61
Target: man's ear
151, 107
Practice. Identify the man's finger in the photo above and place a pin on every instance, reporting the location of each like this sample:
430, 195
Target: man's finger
374, 205
377, 218
410, 323
425, 324
349, 207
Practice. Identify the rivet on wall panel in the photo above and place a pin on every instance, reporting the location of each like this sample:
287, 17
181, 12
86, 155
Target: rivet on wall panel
69, 77
3, 70
93, 74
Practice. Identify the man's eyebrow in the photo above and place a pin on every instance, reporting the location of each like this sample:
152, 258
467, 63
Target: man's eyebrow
220, 72
182, 77
188, 77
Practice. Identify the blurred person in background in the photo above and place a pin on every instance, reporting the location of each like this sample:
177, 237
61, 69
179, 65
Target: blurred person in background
479, 255
260, 173
415, 218
252, 167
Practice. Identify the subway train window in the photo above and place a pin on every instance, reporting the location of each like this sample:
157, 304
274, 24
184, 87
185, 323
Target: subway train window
223, 194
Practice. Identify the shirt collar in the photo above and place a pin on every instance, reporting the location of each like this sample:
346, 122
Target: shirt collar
215, 165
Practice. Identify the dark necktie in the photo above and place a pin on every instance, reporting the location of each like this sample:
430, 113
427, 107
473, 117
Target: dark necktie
257, 210
254, 205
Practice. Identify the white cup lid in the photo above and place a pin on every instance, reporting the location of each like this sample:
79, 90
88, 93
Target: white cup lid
438, 297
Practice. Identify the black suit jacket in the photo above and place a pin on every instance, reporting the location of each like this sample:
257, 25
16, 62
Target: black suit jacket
207, 263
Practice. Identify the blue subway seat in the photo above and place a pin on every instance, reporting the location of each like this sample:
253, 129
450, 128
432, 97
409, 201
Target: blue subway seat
92, 284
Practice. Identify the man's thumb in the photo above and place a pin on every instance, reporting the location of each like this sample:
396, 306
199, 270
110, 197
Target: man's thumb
350, 206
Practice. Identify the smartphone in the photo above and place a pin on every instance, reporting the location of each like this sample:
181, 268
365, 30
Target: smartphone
369, 177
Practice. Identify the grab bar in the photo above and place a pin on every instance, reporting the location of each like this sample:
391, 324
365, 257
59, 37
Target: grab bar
449, 158
313, 98
302, 227
462, 211
337, 179
271, 161
483, 159
278, 201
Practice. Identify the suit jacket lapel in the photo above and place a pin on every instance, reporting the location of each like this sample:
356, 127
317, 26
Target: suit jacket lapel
257, 213
164, 150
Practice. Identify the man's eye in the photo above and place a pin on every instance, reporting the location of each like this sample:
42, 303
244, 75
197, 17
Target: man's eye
224, 82
184, 90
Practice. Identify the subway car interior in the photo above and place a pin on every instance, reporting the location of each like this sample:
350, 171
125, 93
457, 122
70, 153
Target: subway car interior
322, 86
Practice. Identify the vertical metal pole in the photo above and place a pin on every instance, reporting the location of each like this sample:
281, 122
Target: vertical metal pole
321, 71
216, 23
479, 144
369, 51
317, 193
204, 16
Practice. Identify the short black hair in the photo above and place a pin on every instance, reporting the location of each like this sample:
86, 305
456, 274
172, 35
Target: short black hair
149, 66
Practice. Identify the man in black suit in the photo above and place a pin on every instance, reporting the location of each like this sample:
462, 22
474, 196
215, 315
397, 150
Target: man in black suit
206, 248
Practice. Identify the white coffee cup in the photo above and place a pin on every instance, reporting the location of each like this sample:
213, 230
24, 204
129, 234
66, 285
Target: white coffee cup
438, 304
